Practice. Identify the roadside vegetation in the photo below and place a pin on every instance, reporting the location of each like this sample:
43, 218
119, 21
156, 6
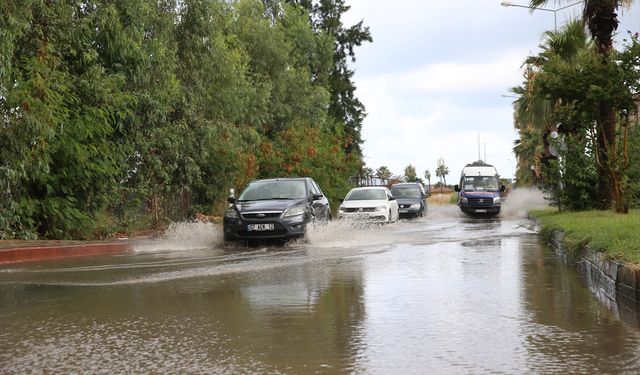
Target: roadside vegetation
615, 236
579, 135
124, 115
577, 114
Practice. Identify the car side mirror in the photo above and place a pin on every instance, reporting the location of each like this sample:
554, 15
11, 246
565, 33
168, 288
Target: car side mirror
502, 188
341, 200
456, 188
231, 200
317, 196
392, 198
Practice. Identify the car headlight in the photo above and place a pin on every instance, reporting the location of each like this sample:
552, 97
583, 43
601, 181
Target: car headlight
231, 214
496, 200
415, 205
463, 200
381, 208
294, 211
341, 209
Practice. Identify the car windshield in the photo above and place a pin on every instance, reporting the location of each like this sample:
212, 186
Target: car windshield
264, 190
406, 192
479, 183
366, 195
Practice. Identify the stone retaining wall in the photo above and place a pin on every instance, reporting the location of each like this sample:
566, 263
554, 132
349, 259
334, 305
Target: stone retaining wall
612, 278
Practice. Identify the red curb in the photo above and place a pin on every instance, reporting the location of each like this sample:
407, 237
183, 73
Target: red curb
25, 254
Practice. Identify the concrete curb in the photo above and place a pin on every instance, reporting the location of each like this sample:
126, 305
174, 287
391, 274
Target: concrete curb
51, 251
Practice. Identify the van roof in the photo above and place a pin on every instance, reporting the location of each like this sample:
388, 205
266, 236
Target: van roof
479, 168
478, 163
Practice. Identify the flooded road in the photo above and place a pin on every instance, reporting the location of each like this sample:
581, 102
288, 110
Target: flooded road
441, 294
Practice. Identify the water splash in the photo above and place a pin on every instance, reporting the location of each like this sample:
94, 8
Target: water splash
183, 236
521, 201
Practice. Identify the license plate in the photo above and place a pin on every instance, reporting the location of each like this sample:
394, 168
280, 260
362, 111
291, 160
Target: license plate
481, 210
260, 227
404, 210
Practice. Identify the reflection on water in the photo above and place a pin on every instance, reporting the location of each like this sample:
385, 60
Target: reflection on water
440, 294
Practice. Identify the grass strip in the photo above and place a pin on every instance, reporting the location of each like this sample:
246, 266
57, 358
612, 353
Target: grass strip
616, 236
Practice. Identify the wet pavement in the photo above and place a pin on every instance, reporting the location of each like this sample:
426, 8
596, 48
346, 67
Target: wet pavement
440, 294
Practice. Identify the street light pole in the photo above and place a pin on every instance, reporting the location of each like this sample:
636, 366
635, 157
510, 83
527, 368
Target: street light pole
507, 3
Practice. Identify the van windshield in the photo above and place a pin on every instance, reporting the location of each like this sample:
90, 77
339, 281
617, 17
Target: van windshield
480, 183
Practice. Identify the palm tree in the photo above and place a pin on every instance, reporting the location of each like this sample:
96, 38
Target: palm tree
368, 174
427, 175
442, 171
601, 18
445, 172
383, 173
533, 111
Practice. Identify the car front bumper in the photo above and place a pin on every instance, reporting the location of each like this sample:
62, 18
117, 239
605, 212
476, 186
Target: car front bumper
480, 210
376, 217
409, 211
238, 229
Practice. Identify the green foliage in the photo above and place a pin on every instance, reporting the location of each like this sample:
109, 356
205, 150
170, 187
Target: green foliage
383, 172
442, 171
571, 180
130, 112
344, 106
410, 174
567, 92
633, 173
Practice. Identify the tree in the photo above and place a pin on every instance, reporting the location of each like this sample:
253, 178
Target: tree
383, 173
427, 176
534, 116
600, 17
345, 107
410, 174
133, 111
442, 171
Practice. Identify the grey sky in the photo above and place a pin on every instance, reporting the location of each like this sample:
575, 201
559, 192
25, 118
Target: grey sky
432, 79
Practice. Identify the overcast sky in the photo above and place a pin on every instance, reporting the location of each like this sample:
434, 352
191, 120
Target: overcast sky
435, 75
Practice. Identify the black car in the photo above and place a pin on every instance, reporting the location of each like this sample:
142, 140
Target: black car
278, 208
411, 198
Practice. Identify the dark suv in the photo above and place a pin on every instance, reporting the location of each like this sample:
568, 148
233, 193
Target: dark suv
278, 208
411, 198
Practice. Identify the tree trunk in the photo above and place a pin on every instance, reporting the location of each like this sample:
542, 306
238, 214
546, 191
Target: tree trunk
602, 21
606, 155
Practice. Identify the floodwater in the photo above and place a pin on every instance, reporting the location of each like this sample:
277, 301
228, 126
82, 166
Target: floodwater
441, 294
